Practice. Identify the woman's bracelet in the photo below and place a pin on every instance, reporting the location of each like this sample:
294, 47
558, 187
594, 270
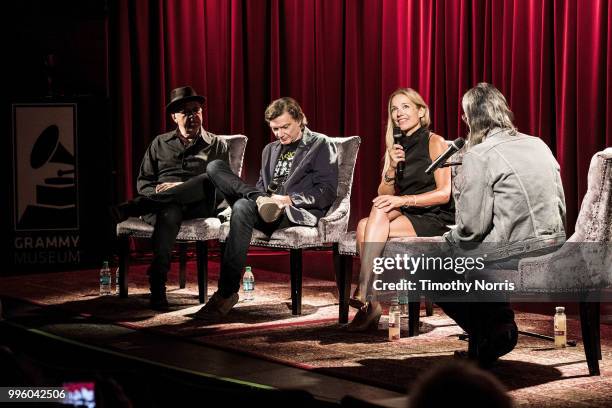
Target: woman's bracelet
388, 180
414, 201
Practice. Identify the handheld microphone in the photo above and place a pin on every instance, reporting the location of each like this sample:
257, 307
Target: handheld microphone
397, 135
272, 187
452, 149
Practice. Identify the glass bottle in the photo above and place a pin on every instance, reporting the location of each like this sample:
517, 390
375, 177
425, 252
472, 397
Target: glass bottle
560, 323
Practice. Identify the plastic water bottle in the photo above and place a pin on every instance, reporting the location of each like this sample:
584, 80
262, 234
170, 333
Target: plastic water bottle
105, 280
560, 324
248, 284
394, 322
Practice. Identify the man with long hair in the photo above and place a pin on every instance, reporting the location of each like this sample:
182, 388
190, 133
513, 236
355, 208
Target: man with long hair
511, 198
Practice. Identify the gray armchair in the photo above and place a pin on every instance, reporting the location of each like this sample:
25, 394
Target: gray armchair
582, 267
198, 230
578, 271
329, 229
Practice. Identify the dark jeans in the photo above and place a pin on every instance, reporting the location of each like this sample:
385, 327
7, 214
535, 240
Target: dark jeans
241, 197
166, 211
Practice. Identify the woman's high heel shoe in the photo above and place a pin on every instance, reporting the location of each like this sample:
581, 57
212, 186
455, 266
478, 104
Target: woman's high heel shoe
356, 302
366, 318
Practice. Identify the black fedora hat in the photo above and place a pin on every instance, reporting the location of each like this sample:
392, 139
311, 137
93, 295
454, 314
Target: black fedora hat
181, 95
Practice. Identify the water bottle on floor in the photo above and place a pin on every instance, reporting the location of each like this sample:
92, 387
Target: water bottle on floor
394, 321
105, 280
248, 284
560, 324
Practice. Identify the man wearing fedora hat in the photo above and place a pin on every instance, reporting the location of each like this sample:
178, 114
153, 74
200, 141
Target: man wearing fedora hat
172, 183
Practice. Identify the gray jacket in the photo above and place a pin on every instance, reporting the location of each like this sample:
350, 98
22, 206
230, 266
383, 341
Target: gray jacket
511, 196
313, 178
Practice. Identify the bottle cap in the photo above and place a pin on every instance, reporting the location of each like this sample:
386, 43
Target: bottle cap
247, 269
560, 309
105, 264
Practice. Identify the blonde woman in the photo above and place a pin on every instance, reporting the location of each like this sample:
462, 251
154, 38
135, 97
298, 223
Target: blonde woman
415, 204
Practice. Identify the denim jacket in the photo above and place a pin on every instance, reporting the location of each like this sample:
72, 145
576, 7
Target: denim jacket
511, 196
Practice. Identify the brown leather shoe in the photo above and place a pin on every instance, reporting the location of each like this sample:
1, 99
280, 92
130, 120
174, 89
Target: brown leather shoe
217, 305
366, 318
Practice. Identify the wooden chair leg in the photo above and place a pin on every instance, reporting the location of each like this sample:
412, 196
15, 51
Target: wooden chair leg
202, 270
124, 263
343, 266
589, 336
597, 315
414, 311
295, 256
428, 307
182, 264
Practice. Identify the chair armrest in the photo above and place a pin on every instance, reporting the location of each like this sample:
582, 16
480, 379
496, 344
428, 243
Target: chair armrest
576, 267
334, 225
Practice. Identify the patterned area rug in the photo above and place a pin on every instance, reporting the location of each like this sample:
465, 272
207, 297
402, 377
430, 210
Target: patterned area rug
535, 373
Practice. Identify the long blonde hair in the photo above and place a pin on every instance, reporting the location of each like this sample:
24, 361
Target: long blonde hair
425, 121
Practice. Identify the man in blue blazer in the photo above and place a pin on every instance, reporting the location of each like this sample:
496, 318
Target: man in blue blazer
297, 185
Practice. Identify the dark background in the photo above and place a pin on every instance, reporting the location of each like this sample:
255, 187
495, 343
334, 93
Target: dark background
75, 33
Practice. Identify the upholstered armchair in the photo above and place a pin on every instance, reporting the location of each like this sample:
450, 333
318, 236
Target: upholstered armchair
582, 267
327, 232
198, 230
579, 270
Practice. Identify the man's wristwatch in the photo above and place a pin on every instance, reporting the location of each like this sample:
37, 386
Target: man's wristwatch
388, 179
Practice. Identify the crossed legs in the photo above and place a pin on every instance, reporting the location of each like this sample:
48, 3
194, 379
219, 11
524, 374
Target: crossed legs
166, 211
245, 216
372, 234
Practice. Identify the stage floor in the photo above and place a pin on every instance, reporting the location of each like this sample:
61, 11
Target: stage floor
194, 360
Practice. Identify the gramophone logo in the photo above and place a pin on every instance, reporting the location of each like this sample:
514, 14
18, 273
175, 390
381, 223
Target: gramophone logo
45, 176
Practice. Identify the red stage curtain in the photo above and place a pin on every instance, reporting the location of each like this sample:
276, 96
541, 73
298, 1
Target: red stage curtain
341, 60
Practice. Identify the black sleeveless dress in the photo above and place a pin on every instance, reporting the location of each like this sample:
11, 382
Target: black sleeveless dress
427, 221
